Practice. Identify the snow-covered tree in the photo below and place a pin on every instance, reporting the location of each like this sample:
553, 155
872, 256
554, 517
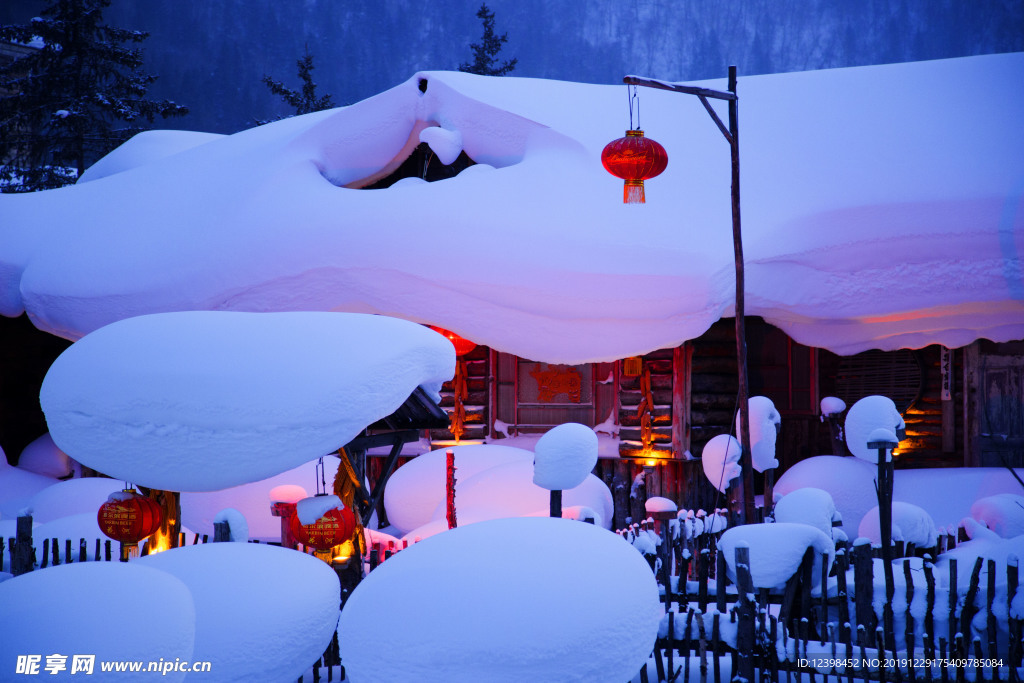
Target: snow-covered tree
305, 100
74, 97
485, 53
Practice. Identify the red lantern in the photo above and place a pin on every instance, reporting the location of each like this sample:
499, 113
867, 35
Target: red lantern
333, 528
634, 158
129, 517
462, 346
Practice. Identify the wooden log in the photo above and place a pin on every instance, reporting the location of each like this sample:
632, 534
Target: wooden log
689, 644
952, 620
702, 648
670, 639
221, 532
702, 580
863, 591
960, 652
716, 644
83, 550
46, 554
990, 599
720, 581
23, 555
842, 565
620, 494
908, 632
969, 609
55, 549
1012, 579
929, 618
943, 670
745, 631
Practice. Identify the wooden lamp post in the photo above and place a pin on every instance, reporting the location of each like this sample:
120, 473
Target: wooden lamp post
744, 502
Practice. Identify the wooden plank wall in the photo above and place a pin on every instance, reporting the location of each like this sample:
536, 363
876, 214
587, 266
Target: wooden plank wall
659, 363
713, 384
923, 445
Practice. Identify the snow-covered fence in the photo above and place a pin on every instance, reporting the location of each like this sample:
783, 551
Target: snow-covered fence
949, 624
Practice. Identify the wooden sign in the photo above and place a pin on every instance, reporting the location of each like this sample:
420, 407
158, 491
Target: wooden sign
557, 380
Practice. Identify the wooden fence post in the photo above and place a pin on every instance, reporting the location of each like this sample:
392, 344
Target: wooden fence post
864, 590
23, 555
745, 610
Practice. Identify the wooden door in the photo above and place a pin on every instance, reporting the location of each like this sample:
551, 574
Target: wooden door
997, 380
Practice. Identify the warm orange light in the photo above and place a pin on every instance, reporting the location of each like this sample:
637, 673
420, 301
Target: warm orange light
462, 346
652, 463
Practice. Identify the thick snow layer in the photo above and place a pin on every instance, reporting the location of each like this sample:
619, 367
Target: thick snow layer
199, 401
287, 493
17, 487
830, 405
237, 526
910, 524
721, 460
262, 613
849, 217
508, 490
946, 494
553, 619
313, 508
144, 148
72, 497
776, 551
865, 416
564, 456
446, 144
74, 528
416, 489
253, 500
660, 504
764, 423
43, 457
1002, 513
850, 482
87, 609
808, 505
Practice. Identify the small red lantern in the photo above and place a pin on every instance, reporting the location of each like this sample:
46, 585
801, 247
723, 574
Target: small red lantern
129, 517
634, 158
333, 528
462, 346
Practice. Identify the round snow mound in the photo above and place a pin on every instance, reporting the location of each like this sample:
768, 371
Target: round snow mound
808, 505
776, 551
721, 458
1003, 513
867, 415
910, 524
565, 455
262, 613
850, 482
552, 617
95, 605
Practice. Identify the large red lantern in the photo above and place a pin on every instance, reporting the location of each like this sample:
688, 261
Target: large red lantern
333, 528
462, 346
634, 158
129, 517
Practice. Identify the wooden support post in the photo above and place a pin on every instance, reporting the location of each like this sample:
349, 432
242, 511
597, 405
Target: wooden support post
884, 489
221, 532
745, 629
863, 591
23, 555
556, 503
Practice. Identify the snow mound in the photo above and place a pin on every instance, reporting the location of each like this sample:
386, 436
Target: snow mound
43, 457
314, 507
17, 487
776, 551
910, 524
416, 488
217, 399
446, 144
850, 482
565, 455
287, 493
198, 509
721, 460
238, 526
509, 491
660, 504
764, 424
830, 405
810, 506
85, 595
73, 528
73, 496
554, 619
1003, 513
867, 415
262, 613
143, 148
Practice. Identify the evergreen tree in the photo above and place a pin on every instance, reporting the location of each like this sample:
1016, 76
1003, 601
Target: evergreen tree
74, 98
303, 101
485, 53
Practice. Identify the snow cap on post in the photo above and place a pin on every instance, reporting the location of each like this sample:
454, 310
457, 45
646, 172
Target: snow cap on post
721, 459
564, 457
831, 406
867, 415
882, 438
764, 429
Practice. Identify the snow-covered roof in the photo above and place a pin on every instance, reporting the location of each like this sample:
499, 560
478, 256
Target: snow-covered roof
880, 205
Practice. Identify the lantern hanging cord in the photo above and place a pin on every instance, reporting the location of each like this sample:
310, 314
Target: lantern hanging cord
631, 96
321, 484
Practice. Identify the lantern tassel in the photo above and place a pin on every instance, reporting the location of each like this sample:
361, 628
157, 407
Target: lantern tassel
633, 192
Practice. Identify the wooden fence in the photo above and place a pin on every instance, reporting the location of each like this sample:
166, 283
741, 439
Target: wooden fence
926, 631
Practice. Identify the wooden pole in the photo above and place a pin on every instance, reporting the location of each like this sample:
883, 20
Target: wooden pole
884, 490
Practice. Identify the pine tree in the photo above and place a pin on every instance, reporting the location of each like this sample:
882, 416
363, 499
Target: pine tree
303, 101
485, 53
74, 98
